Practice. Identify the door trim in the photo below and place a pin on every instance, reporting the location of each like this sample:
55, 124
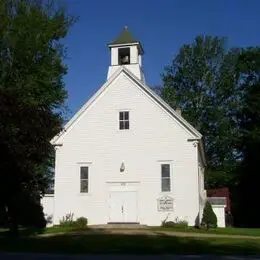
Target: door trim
122, 186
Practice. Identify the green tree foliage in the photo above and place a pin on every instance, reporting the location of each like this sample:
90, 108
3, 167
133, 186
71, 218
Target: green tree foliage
32, 98
209, 218
202, 82
246, 210
219, 93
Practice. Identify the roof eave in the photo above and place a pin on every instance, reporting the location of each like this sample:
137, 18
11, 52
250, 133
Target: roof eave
56, 139
140, 47
166, 106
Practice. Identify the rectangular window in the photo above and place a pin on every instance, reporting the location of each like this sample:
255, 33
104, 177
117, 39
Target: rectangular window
50, 189
124, 120
84, 179
166, 178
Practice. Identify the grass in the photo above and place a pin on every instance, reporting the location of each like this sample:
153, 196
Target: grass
71, 240
64, 229
25, 232
129, 244
220, 231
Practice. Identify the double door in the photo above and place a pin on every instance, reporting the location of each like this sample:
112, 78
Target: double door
123, 207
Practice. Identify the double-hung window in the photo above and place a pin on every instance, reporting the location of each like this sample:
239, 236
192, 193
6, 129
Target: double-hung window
165, 178
84, 179
123, 120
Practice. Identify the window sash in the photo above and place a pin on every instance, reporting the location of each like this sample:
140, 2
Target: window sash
166, 184
84, 186
84, 179
165, 178
124, 120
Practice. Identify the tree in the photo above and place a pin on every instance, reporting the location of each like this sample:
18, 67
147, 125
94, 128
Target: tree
209, 218
32, 98
219, 93
201, 80
248, 143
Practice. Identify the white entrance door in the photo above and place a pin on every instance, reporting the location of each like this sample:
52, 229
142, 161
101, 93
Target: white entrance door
116, 207
130, 206
123, 207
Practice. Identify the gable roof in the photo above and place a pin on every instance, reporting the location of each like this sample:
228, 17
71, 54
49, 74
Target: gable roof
221, 192
195, 133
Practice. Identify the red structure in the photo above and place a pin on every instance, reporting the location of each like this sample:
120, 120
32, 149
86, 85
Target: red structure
221, 192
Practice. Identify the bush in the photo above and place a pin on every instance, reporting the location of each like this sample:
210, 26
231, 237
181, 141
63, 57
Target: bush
49, 219
67, 221
181, 224
30, 213
209, 218
168, 224
175, 224
81, 222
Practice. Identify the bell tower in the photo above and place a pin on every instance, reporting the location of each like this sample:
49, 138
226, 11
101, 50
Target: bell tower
126, 51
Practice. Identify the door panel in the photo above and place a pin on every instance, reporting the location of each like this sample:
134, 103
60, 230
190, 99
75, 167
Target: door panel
116, 207
130, 207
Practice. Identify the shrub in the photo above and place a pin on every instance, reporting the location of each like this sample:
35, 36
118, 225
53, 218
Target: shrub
175, 224
67, 221
31, 214
81, 222
209, 218
49, 219
181, 224
168, 224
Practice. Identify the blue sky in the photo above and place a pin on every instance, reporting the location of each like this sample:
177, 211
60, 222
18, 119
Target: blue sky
162, 27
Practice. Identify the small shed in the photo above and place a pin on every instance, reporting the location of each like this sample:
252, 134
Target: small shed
218, 205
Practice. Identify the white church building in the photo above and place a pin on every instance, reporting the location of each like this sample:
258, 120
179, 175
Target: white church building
126, 156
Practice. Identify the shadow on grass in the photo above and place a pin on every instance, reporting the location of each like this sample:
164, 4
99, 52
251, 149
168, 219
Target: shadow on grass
218, 231
31, 232
100, 242
23, 232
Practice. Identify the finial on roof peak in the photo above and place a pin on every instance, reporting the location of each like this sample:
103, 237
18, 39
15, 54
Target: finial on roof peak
126, 27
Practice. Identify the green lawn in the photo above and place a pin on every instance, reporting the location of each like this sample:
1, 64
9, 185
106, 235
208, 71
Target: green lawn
130, 244
223, 231
218, 231
58, 229
98, 241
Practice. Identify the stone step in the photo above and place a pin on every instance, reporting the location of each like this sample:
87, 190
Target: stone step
119, 226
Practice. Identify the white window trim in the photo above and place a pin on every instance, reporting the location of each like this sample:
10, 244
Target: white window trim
170, 162
118, 118
84, 164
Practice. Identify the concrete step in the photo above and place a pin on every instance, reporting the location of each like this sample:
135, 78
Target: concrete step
119, 226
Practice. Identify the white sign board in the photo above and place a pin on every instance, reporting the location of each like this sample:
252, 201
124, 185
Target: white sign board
165, 203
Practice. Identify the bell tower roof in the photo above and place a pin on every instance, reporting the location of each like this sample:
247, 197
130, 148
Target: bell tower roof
124, 38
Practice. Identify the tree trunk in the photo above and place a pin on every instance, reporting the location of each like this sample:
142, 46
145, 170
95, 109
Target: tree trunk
13, 228
12, 222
